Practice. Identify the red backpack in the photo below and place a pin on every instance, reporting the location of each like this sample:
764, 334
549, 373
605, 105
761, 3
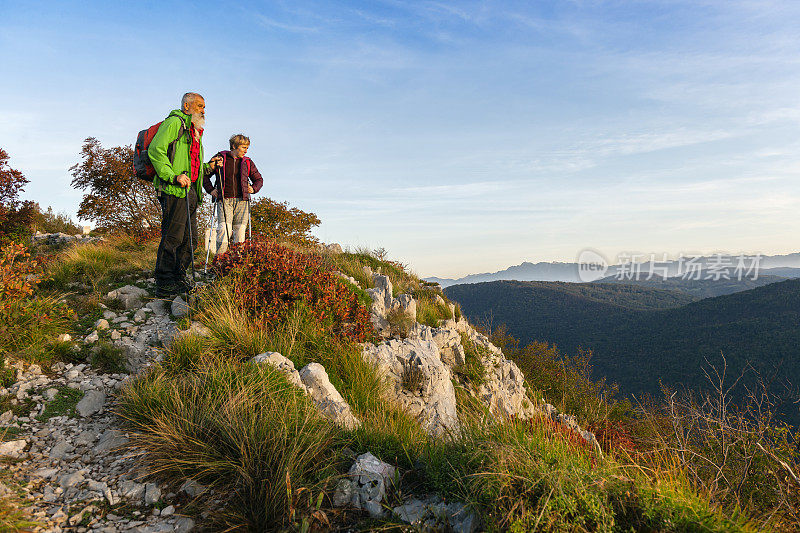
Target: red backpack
141, 161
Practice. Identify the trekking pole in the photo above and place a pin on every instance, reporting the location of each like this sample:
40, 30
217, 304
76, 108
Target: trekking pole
211, 231
249, 222
189, 225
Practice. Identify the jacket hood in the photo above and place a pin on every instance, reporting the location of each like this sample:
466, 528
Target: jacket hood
181, 114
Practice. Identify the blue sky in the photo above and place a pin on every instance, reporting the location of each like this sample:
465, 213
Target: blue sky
461, 136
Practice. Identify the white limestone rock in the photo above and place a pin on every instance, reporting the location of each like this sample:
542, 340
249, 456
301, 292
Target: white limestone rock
92, 402
130, 296
326, 397
366, 485
283, 364
179, 307
13, 448
419, 381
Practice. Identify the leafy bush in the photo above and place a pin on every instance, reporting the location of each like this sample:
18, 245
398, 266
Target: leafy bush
51, 222
26, 322
116, 200
270, 280
275, 220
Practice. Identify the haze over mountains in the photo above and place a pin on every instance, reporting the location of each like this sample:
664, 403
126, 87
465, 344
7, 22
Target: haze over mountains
783, 266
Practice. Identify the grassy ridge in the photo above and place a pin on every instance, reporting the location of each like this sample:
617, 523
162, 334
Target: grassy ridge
518, 476
205, 412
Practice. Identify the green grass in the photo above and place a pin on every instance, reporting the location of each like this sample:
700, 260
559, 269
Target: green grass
107, 358
238, 428
13, 518
531, 476
352, 264
62, 405
8, 376
473, 371
429, 312
101, 265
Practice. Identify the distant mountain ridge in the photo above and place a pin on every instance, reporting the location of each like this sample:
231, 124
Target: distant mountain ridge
788, 267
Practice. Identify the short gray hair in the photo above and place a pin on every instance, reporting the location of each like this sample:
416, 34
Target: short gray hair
189, 98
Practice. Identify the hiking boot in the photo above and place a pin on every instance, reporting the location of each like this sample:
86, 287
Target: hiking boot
171, 289
184, 285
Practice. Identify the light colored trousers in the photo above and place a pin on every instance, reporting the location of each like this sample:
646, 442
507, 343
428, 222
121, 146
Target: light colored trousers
237, 213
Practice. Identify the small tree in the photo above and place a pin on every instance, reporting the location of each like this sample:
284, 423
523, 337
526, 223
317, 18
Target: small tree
277, 221
14, 214
116, 198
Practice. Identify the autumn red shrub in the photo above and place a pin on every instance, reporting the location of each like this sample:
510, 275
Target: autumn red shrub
556, 430
270, 279
22, 315
612, 435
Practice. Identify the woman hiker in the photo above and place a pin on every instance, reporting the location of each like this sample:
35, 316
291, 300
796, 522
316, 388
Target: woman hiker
236, 179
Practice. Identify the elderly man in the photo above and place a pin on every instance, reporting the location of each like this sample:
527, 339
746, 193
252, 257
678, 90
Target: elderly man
176, 152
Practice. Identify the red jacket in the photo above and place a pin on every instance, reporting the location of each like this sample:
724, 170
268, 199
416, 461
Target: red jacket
248, 174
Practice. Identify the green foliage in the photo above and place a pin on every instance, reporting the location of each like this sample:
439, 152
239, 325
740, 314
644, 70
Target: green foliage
275, 220
525, 476
8, 376
473, 370
430, 312
353, 263
51, 222
63, 404
15, 216
107, 358
27, 322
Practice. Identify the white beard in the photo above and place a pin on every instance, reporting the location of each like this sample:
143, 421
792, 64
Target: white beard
199, 122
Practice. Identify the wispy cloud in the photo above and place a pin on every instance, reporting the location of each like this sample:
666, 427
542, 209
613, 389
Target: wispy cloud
267, 22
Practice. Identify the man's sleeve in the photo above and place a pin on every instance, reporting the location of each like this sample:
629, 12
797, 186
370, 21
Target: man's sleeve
167, 132
255, 177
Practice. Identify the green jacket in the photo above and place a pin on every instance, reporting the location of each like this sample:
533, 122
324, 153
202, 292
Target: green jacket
166, 171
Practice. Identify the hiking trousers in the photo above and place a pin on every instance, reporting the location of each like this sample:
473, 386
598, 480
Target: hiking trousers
174, 254
236, 215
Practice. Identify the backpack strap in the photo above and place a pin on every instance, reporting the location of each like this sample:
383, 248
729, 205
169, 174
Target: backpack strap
171, 148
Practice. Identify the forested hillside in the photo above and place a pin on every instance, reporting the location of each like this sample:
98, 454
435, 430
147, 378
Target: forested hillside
641, 348
699, 288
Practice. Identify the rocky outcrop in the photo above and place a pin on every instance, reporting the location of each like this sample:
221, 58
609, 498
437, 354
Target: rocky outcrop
420, 368
384, 303
53, 239
419, 382
313, 380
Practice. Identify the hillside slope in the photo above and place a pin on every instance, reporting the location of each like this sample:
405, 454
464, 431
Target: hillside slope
699, 288
640, 348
